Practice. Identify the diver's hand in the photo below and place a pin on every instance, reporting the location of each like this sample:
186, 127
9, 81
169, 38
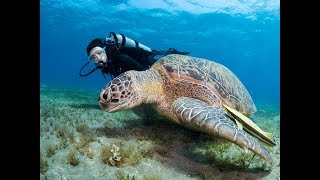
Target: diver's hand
174, 51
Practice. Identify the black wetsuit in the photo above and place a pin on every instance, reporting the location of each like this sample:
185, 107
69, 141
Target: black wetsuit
125, 59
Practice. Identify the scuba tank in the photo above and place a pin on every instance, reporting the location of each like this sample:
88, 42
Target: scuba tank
121, 41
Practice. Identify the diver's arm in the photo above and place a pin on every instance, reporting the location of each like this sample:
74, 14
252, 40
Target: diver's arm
169, 51
160, 52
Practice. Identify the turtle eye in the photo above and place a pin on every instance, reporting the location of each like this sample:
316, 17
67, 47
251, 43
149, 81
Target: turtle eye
105, 96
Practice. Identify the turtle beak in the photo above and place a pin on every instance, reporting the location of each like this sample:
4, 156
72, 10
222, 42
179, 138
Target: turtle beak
111, 106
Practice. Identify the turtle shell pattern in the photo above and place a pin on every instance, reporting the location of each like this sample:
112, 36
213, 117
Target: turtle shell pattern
203, 79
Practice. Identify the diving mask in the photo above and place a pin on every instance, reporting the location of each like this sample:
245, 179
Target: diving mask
98, 55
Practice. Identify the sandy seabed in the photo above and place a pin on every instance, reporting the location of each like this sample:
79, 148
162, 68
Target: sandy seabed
80, 141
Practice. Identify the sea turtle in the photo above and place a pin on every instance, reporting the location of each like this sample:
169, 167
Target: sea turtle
189, 91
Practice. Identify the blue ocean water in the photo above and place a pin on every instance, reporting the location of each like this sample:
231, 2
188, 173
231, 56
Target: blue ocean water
242, 35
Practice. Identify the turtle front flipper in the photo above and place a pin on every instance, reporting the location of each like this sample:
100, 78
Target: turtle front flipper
198, 115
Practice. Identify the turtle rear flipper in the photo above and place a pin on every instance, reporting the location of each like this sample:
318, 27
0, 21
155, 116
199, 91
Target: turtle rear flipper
198, 115
250, 126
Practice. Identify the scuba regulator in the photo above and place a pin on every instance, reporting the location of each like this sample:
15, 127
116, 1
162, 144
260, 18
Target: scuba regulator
98, 61
99, 65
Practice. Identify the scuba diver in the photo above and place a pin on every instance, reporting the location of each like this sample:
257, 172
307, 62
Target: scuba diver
116, 54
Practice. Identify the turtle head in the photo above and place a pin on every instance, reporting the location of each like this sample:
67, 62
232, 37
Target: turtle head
119, 94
